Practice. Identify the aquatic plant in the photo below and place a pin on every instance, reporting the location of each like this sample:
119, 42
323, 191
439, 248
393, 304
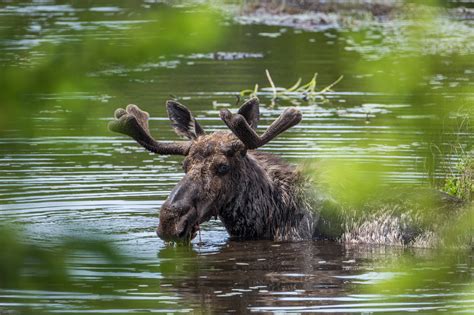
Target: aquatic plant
305, 92
460, 183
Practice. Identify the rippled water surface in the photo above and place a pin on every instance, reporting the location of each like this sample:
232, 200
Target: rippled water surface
75, 176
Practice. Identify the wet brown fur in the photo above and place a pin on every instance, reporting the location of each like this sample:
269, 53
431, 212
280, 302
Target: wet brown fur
258, 198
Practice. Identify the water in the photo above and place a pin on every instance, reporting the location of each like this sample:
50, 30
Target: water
73, 176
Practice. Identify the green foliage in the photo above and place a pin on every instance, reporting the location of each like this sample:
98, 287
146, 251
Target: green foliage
359, 195
67, 67
36, 267
359, 191
347, 183
461, 184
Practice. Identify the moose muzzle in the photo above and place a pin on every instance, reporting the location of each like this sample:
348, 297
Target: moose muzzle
179, 216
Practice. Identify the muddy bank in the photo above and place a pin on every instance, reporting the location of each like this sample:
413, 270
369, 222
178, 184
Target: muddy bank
443, 31
375, 8
314, 15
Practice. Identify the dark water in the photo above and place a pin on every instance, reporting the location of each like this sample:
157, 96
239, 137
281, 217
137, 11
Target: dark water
73, 176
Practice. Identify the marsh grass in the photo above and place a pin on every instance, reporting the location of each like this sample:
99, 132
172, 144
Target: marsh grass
461, 181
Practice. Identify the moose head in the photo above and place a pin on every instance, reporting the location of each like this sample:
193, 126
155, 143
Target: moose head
215, 164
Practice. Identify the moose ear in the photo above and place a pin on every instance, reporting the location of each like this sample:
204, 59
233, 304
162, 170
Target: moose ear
183, 122
251, 112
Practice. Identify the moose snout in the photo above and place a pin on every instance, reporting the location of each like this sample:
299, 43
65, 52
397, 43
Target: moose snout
179, 214
176, 222
185, 224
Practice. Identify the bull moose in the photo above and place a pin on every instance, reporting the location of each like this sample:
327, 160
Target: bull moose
255, 194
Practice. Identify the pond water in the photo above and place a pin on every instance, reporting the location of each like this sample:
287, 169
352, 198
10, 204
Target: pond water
74, 176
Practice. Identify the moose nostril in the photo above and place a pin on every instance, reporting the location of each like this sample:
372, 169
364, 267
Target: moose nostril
182, 229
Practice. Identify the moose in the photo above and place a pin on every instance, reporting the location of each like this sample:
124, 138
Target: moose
255, 194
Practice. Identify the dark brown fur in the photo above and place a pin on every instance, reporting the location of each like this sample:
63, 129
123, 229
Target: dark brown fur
258, 198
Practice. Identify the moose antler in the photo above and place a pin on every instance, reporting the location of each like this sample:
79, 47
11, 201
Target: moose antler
240, 127
133, 122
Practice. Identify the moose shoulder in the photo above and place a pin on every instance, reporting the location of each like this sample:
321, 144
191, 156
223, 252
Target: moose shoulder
255, 194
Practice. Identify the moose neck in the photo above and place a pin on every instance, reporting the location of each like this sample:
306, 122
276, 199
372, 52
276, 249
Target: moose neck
263, 206
247, 215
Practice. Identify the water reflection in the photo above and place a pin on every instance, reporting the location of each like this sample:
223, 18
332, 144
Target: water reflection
292, 277
240, 277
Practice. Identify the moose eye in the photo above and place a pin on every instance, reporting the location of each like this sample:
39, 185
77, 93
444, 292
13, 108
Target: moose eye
223, 169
